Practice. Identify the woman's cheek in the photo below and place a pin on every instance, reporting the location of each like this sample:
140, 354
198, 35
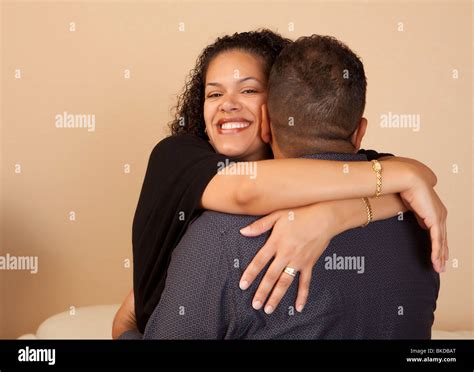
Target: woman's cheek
208, 118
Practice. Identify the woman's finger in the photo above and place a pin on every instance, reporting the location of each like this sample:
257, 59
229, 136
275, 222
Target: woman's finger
303, 288
260, 226
436, 245
278, 292
261, 259
268, 282
446, 257
447, 247
441, 249
420, 221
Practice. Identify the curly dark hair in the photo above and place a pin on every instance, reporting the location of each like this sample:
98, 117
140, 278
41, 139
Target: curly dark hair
189, 115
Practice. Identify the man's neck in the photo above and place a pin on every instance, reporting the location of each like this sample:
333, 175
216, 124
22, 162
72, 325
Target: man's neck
326, 156
345, 148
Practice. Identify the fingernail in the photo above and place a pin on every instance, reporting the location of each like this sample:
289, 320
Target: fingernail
244, 285
257, 305
443, 268
268, 309
245, 230
299, 308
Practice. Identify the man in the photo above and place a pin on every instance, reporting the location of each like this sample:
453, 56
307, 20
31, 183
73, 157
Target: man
370, 283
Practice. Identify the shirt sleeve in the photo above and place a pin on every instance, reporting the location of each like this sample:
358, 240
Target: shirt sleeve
372, 154
131, 335
179, 169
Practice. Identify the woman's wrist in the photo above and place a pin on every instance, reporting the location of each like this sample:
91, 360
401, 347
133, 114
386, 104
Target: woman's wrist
343, 215
398, 176
421, 168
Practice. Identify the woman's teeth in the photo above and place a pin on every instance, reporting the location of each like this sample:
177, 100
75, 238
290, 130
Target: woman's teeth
234, 125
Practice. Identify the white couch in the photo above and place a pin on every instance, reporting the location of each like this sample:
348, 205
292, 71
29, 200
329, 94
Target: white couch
95, 322
88, 322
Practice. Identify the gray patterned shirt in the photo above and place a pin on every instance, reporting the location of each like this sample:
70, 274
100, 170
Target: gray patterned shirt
375, 282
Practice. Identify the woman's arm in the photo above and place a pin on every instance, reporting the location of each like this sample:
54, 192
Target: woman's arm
351, 213
124, 319
288, 183
428, 173
291, 183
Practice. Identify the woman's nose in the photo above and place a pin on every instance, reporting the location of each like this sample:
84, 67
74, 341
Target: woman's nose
230, 104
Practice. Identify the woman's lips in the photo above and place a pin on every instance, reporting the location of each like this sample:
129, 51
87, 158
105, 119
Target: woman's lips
233, 127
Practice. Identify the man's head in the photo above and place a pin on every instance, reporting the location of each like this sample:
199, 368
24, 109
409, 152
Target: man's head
316, 98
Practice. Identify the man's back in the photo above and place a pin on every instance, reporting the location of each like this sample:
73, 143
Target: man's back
375, 282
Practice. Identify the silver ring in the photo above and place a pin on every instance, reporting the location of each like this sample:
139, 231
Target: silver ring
290, 271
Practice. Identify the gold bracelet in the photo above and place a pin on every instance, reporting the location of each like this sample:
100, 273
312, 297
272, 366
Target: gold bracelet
377, 167
370, 215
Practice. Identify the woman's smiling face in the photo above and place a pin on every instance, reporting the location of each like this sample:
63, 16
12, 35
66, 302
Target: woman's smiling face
235, 89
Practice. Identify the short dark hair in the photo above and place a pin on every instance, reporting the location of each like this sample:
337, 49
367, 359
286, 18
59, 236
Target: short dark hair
316, 96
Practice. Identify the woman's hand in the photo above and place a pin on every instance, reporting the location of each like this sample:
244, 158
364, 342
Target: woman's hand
429, 210
292, 243
431, 214
125, 320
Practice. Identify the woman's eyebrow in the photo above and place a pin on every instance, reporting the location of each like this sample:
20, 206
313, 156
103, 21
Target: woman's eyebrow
249, 78
214, 83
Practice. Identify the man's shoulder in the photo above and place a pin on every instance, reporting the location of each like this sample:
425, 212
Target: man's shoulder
218, 234
211, 231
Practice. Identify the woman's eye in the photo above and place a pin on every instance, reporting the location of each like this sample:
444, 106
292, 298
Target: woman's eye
249, 91
213, 95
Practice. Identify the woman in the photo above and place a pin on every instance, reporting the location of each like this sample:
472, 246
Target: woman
181, 180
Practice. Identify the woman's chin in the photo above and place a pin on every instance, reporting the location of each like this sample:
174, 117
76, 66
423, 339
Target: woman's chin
231, 150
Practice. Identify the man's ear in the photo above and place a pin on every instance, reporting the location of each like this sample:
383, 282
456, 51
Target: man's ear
359, 133
265, 130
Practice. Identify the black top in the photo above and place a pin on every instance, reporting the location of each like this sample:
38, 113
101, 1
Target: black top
179, 169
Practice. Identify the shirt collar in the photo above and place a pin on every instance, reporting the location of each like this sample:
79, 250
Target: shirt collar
337, 156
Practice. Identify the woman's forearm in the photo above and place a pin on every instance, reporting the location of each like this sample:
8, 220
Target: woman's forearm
429, 175
352, 213
124, 319
289, 183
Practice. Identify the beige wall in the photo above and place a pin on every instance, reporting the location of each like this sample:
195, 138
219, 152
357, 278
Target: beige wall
81, 262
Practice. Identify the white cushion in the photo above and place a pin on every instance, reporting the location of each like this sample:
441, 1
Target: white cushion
95, 322
89, 322
451, 335
28, 336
